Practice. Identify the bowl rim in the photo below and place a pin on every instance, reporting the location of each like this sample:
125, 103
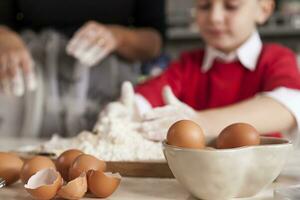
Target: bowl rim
284, 142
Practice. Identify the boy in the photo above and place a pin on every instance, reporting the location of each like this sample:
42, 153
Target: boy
235, 78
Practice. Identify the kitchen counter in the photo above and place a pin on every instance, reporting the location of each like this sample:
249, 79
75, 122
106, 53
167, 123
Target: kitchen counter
130, 188
133, 188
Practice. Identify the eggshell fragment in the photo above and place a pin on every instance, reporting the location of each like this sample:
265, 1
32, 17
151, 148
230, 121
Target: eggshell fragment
65, 160
238, 135
186, 134
75, 189
44, 184
84, 163
210, 148
10, 167
34, 165
103, 184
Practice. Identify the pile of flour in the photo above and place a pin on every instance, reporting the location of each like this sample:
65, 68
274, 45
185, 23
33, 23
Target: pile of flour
116, 138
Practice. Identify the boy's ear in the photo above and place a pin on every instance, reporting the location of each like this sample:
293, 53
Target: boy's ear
265, 10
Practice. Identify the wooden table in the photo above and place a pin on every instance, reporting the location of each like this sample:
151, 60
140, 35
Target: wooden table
133, 188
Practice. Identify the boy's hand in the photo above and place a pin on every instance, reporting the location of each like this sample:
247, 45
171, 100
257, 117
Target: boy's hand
125, 108
156, 123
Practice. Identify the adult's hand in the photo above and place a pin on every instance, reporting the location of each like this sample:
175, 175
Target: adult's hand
92, 43
16, 64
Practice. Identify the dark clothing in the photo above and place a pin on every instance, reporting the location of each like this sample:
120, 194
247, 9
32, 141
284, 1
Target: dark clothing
67, 16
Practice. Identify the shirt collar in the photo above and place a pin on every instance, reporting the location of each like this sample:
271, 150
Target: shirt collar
248, 54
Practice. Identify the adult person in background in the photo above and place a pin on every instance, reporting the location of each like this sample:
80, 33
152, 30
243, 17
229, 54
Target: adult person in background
71, 59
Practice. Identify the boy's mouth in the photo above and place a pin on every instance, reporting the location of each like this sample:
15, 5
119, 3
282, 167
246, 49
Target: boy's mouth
216, 32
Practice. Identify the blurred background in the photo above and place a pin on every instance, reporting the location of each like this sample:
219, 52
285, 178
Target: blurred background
22, 116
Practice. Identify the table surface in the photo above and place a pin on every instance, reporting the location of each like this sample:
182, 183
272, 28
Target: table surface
133, 188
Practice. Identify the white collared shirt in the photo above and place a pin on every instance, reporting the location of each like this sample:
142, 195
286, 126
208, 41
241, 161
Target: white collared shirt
248, 54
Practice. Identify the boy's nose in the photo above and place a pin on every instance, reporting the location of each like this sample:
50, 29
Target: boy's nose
216, 14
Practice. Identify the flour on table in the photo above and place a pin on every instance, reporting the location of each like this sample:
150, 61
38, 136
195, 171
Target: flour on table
116, 138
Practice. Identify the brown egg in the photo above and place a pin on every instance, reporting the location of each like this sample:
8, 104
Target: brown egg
75, 189
44, 184
186, 134
34, 165
103, 184
238, 135
84, 163
10, 167
65, 160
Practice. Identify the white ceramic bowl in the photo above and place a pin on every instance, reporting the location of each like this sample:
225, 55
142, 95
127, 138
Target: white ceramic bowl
228, 173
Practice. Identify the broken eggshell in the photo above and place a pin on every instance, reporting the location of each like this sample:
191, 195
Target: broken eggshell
75, 189
65, 160
44, 184
102, 184
84, 163
34, 165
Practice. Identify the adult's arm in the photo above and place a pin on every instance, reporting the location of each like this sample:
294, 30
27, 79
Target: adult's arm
143, 41
137, 43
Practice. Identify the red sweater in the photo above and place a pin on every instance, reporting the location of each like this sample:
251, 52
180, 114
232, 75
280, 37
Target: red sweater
224, 83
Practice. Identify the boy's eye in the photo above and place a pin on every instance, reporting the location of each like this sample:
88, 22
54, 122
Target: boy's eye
230, 5
203, 5
233, 5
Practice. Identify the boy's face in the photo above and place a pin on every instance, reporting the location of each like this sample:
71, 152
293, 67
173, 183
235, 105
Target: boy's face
227, 24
